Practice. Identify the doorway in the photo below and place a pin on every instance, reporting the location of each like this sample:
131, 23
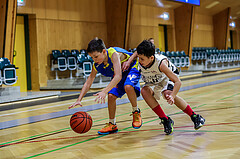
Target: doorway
163, 42
22, 54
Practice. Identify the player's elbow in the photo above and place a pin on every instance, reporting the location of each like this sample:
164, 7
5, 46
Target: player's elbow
118, 77
178, 82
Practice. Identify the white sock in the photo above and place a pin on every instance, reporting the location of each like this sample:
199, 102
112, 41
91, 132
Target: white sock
113, 121
135, 108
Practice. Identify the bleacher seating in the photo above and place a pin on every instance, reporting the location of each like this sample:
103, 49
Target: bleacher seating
179, 59
69, 60
8, 72
212, 58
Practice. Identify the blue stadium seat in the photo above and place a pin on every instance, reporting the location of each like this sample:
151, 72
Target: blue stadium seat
87, 69
8, 72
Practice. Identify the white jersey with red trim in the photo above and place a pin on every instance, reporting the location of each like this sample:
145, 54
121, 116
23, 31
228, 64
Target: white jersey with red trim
152, 76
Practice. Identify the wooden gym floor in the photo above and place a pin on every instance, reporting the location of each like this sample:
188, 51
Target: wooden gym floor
42, 131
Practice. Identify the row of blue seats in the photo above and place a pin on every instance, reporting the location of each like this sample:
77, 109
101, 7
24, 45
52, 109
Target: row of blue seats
70, 60
178, 58
203, 48
7, 72
204, 55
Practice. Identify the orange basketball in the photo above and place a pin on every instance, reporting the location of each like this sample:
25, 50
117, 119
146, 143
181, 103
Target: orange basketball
81, 122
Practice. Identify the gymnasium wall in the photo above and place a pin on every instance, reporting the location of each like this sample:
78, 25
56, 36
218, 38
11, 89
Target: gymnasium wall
203, 31
144, 24
61, 24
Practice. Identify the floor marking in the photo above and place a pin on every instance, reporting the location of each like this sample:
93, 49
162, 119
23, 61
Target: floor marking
134, 130
33, 119
29, 110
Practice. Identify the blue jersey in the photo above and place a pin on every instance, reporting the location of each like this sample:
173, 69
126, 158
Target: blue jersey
108, 70
129, 77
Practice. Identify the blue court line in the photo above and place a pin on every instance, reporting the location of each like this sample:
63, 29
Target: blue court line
37, 118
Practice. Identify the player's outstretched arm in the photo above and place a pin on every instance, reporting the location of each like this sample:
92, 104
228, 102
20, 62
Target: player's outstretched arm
174, 78
85, 89
116, 79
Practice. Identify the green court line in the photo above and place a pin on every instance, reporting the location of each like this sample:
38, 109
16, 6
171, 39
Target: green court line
34, 136
203, 131
229, 96
98, 120
65, 146
26, 138
99, 136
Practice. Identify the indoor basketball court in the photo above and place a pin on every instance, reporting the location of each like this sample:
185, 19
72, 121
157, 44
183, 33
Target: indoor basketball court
43, 131
45, 62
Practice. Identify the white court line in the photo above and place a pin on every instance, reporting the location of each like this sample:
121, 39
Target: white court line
43, 108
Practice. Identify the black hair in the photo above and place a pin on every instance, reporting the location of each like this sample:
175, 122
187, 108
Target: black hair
96, 45
146, 48
150, 39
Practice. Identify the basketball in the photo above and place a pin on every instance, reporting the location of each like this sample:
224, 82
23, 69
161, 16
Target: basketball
81, 122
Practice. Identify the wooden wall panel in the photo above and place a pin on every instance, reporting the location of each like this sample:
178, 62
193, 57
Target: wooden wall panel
3, 4
51, 9
116, 13
183, 27
60, 24
10, 29
221, 28
34, 52
203, 31
27, 8
144, 24
39, 8
64, 9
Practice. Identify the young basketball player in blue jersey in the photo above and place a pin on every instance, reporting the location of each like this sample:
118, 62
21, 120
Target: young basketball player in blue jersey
108, 63
162, 75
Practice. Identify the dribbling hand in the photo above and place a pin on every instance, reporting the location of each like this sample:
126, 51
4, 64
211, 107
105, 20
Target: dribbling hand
100, 97
74, 104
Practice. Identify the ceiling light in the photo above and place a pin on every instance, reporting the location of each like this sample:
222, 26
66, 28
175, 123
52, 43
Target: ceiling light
212, 4
232, 24
164, 16
159, 3
20, 3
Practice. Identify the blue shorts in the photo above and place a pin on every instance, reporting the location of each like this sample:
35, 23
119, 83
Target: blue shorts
130, 77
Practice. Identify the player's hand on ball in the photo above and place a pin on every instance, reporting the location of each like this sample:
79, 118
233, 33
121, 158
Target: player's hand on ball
74, 104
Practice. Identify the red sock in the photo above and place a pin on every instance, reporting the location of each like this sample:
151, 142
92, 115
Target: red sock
189, 111
158, 110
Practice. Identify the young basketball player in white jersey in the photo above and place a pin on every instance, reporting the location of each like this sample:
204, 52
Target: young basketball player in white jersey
158, 72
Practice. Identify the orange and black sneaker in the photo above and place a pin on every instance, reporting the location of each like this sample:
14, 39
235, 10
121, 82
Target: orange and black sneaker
137, 119
108, 129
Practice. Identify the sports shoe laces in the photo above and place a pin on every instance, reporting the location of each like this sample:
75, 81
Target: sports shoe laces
136, 116
108, 125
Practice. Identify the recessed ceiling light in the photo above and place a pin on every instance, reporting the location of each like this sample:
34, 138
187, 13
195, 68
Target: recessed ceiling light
159, 3
212, 4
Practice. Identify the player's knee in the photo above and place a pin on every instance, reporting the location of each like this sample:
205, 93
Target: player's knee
111, 97
128, 88
145, 91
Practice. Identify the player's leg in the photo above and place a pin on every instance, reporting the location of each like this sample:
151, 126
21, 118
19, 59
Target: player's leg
197, 119
148, 96
110, 127
132, 89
